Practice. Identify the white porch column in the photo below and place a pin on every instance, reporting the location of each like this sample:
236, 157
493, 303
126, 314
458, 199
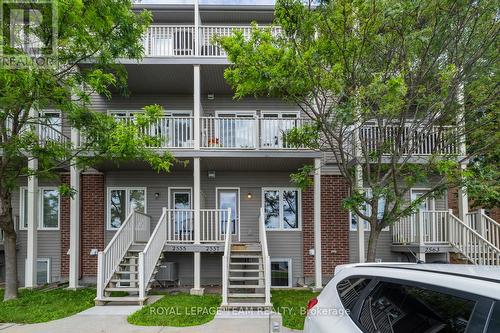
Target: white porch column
196, 105
32, 246
361, 225
463, 199
196, 290
317, 225
74, 233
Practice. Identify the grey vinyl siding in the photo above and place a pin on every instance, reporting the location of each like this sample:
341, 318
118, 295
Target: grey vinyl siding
186, 102
49, 241
282, 244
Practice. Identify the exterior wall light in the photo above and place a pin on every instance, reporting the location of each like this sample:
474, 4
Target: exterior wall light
249, 195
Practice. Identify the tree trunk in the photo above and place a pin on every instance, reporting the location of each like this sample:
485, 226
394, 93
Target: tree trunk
372, 244
10, 237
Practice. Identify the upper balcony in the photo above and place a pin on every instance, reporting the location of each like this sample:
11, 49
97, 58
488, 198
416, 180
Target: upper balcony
184, 41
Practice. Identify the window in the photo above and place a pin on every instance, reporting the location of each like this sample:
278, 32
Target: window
367, 210
281, 208
281, 273
274, 124
122, 201
401, 308
51, 126
425, 205
42, 271
49, 208
350, 290
235, 129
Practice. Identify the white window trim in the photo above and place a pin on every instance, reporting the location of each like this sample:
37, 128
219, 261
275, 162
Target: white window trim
290, 273
280, 113
299, 203
175, 189
127, 189
367, 224
40, 208
236, 112
237, 229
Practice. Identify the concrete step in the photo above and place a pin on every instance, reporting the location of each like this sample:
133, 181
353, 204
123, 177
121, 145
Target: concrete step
245, 256
127, 289
124, 280
246, 270
121, 300
237, 295
129, 264
245, 278
126, 272
246, 286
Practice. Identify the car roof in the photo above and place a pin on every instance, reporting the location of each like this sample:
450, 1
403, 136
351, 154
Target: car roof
481, 272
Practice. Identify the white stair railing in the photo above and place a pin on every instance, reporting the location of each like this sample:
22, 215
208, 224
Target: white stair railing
265, 258
109, 259
471, 244
226, 258
485, 226
148, 258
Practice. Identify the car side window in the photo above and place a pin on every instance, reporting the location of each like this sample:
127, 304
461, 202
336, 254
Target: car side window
494, 322
393, 307
349, 291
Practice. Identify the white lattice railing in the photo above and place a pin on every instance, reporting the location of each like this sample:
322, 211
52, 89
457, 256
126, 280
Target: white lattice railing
266, 260
109, 259
485, 226
226, 258
149, 257
407, 139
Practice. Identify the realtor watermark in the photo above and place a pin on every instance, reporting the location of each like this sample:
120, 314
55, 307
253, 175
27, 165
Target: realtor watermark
212, 311
29, 33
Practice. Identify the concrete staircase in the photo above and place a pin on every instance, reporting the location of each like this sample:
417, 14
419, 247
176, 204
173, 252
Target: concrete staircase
246, 288
125, 279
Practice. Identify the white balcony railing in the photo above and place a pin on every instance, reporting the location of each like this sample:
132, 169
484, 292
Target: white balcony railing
247, 133
180, 40
181, 229
169, 41
174, 132
438, 140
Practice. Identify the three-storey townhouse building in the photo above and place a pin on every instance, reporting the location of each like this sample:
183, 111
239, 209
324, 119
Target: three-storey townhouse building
231, 216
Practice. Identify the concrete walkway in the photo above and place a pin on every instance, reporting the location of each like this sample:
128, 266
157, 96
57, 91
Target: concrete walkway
113, 319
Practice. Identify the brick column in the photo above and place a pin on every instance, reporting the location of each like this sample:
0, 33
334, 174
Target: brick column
92, 220
64, 229
334, 225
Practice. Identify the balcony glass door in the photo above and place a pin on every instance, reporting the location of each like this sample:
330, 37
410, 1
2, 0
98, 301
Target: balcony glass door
228, 198
236, 129
273, 125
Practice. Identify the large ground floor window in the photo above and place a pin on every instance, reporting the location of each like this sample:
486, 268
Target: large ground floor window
121, 201
48, 208
281, 208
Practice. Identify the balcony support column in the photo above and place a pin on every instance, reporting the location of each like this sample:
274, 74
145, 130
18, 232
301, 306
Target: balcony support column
463, 199
32, 216
197, 290
74, 234
358, 174
197, 105
318, 284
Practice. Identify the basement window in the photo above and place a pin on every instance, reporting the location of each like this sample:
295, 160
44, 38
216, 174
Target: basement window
281, 273
42, 271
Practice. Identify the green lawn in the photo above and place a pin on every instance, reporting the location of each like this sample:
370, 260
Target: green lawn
292, 306
38, 306
178, 310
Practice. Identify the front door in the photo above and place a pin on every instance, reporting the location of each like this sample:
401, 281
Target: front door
229, 198
182, 215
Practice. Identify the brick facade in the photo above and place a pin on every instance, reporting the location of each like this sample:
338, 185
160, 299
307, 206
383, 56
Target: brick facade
64, 228
334, 225
494, 213
92, 220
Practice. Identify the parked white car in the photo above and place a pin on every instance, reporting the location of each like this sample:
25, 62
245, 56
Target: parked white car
408, 298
